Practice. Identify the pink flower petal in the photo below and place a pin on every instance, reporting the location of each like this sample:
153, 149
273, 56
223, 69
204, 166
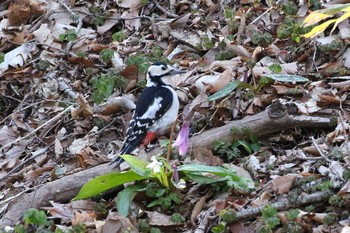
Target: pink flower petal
182, 139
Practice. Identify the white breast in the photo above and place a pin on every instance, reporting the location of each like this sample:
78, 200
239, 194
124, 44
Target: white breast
169, 117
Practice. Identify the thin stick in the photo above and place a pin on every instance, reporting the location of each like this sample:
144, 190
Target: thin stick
319, 150
55, 118
162, 9
170, 139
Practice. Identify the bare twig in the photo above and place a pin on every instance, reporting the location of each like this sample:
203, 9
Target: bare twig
162, 9
20, 166
80, 23
54, 119
319, 150
260, 16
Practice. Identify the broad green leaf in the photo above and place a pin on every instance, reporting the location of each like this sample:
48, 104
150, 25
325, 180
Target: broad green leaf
287, 78
106, 182
125, 197
224, 91
136, 164
319, 29
191, 168
203, 179
245, 145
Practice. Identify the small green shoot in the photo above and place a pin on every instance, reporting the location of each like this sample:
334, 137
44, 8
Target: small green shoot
140, 61
275, 68
119, 36
82, 54
177, 218
69, 35
35, 217
220, 228
262, 39
2, 57
269, 215
290, 8
291, 28
205, 44
106, 55
292, 214
104, 85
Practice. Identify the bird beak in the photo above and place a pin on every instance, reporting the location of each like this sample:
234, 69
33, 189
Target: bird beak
174, 71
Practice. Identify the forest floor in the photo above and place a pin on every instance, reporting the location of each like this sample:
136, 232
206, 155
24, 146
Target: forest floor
265, 92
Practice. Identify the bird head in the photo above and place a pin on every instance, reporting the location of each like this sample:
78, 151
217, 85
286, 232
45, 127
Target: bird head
159, 70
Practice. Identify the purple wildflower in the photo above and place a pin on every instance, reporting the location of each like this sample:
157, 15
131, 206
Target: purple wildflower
182, 139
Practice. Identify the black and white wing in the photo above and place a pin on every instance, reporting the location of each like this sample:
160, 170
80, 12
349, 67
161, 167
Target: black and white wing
153, 103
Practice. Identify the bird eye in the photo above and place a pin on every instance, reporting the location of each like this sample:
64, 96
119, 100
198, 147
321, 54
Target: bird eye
163, 68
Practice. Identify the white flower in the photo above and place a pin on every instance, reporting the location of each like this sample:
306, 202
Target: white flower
155, 165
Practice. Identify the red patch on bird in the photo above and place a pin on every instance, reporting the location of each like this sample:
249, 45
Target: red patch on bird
149, 138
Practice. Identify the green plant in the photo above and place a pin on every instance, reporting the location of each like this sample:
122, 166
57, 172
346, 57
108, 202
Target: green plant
336, 201
290, 28
140, 61
37, 221
231, 21
177, 218
156, 54
262, 39
68, 36
275, 68
269, 216
119, 36
153, 179
292, 227
292, 214
220, 228
205, 43
106, 55
104, 85
231, 151
226, 151
98, 20
290, 8
2, 57
82, 54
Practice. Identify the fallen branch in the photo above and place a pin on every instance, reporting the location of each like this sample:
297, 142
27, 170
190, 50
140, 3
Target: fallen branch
286, 204
62, 190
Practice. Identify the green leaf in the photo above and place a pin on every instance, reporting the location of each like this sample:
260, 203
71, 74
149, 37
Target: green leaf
202, 179
287, 78
224, 91
177, 218
136, 164
2, 57
34, 216
292, 214
194, 167
275, 68
106, 182
269, 215
245, 145
125, 197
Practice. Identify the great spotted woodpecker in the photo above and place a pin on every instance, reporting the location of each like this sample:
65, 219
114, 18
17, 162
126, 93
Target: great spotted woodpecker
156, 109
